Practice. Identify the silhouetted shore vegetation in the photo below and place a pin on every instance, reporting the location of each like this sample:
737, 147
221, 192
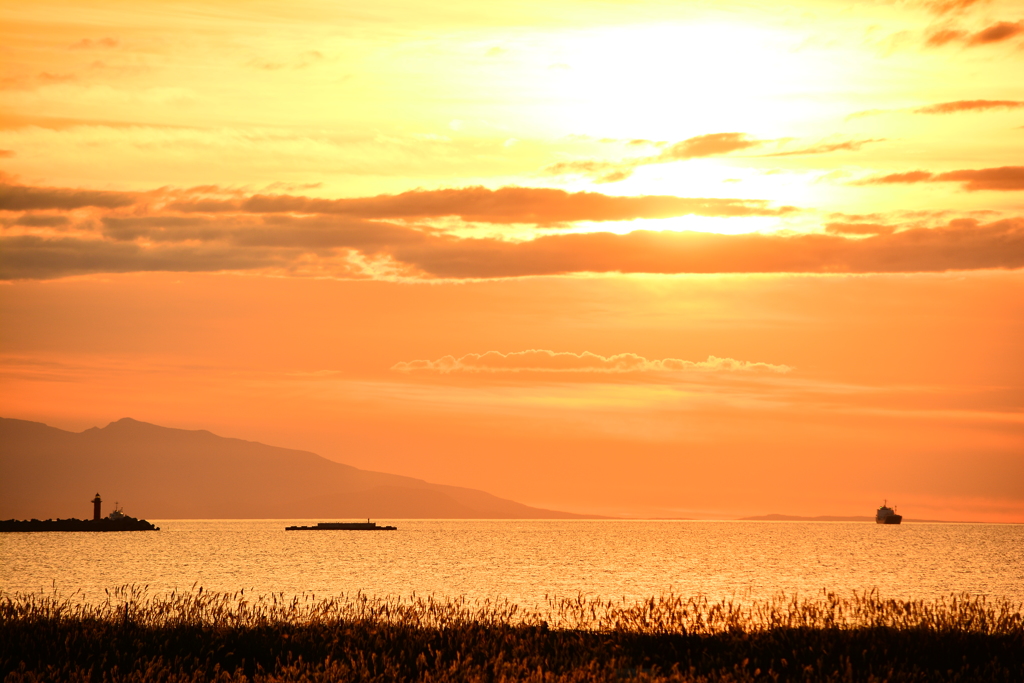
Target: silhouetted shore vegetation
203, 636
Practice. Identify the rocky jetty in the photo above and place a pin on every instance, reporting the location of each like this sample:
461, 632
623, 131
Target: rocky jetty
123, 523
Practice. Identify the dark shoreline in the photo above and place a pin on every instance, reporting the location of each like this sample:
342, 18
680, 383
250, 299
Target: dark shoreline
834, 518
204, 637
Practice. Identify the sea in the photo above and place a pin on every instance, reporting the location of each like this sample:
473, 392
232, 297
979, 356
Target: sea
527, 562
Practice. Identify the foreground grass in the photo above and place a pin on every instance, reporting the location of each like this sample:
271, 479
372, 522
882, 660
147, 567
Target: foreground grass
198, 636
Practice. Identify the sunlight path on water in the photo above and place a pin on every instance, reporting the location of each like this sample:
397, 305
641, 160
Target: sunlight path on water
524, 561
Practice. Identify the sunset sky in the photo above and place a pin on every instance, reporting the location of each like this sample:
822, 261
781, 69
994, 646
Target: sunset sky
672, 259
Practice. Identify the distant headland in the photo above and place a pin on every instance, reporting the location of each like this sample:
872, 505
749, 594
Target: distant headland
115, 521
183, 474
833, 518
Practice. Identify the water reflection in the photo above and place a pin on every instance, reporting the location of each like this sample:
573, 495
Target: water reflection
526, 560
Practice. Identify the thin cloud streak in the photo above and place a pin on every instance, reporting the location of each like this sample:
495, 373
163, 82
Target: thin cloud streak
967, 105
954, 107
713, 144
945, 6
543, 360
716, 144
1004, 178
826, 147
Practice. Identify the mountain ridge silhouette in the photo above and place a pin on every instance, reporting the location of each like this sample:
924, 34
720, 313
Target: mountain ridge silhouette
166, 473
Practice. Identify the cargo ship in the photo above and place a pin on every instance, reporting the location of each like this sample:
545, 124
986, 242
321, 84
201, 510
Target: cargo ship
887, 515
343, 526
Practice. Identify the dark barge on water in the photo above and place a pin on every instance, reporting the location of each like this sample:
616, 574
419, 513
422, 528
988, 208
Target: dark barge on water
115, 521
343, 526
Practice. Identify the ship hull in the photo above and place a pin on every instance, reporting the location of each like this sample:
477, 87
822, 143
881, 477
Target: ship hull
891, 519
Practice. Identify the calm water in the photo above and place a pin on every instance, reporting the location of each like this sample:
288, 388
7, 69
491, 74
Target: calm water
526, 560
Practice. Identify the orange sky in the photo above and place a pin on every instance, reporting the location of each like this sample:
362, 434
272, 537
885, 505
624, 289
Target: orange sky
667, 259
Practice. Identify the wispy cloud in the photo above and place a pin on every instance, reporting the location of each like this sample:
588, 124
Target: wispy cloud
1004, 178
716, 144
947, 6
967, 105
996, 33
859, 229
954, 107
98, 44
827, 147
713, 144
542, 360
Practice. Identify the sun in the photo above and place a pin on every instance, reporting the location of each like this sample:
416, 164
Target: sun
675, 81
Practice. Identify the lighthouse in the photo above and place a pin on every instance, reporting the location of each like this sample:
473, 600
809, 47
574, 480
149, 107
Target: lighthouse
96, 507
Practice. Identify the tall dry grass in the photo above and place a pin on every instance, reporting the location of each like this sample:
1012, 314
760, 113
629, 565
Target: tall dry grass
196, 635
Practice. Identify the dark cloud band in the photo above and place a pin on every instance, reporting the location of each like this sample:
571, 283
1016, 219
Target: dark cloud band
22, 198
540, 206
961, 245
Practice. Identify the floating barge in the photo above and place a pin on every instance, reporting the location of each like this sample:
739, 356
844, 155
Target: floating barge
343, 526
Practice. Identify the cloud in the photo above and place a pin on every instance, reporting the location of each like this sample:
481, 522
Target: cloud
967, 105
47, 77
713, 144
958, 246
859, 229
716, 144
826, 147
708, 145
995, 33
7, 153
541, 360
42, 220
1004, 178
350, 237
946, 6
945, 108
344, 248
29, 256
89, 44
21, 198
314, 233
941, 37
540, 206
891, 178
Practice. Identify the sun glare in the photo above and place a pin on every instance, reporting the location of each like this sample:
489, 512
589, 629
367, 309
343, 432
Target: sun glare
673, 81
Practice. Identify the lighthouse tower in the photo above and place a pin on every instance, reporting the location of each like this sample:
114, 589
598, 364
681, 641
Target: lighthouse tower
96, 507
